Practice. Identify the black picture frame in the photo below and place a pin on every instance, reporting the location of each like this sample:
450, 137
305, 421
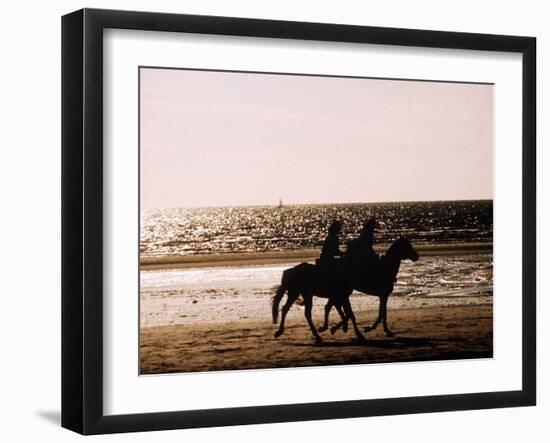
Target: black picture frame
82, 220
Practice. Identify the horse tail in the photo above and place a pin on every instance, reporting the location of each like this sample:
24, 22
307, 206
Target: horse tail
276, 299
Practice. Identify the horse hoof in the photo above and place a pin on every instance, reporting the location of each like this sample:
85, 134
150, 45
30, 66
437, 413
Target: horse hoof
333, 330
389, 334
361, 340
318, 340
322, 329
367, 329
277, 334
345, 329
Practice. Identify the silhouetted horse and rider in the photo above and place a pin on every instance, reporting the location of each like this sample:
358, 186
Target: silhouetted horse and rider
335, 275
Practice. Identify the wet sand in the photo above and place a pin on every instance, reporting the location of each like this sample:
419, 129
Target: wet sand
429, 333
274, 257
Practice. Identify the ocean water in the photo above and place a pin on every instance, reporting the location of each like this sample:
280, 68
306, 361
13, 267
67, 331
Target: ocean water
192, 231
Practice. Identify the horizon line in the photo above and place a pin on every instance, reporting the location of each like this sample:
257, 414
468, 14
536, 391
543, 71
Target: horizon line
318, 204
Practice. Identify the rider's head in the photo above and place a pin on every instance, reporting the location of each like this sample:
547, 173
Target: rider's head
335, 227
369, 226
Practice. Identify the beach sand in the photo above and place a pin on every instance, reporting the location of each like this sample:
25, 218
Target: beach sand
428, 333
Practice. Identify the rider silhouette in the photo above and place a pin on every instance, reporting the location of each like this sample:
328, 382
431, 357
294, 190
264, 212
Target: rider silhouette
330, 261
360, 251
331, 248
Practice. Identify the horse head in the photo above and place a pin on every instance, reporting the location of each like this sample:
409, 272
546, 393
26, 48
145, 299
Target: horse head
404, 250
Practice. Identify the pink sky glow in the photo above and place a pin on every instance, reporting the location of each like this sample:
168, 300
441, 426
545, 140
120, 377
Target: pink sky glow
225, 139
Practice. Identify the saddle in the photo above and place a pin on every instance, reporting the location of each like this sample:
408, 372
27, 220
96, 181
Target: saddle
333, 269
343, 272
330, 263
366, 271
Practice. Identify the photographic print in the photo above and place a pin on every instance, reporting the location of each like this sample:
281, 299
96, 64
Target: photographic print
294, 220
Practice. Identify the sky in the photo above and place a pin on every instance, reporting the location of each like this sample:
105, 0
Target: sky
232, 139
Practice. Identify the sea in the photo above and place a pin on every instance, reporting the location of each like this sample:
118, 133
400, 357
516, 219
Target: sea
234, 293
191, 231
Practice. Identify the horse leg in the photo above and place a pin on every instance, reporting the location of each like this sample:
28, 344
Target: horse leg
344, 318
328, 307
349, 313
379, 319
308, 302
343, 321
292, 296
384, 311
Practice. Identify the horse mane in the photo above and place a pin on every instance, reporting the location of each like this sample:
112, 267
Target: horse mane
393, 246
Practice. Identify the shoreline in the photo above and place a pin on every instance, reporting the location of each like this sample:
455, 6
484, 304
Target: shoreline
290, 256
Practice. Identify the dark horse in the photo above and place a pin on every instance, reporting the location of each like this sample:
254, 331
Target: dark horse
379, 283
309, 280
